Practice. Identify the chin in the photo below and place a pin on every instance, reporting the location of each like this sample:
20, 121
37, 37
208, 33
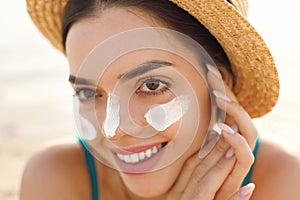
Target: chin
151, 184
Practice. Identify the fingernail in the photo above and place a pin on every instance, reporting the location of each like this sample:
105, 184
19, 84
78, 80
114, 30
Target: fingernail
247, 190
229, 153
221, 95
214, 71
226, 128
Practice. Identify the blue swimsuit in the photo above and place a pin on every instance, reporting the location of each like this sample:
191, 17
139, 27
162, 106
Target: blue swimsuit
91, 168
93, 173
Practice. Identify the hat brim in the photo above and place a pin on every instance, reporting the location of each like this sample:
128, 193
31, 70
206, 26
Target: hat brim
257, 83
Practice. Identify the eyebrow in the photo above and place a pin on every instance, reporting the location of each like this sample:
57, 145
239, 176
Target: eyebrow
81, 81
144, 68
140, 70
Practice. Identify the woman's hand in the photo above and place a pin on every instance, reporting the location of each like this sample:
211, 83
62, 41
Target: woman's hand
219, 175
236, 117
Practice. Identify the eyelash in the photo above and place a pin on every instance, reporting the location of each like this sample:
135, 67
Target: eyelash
153, 80
80, 91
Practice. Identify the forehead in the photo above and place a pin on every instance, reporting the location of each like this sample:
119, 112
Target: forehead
86, 34
91, 44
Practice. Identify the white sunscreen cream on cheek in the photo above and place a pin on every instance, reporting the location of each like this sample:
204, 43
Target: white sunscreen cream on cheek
112, 118
161, 116
87, 128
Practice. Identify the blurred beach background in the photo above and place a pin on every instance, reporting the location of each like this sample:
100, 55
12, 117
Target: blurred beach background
36, 99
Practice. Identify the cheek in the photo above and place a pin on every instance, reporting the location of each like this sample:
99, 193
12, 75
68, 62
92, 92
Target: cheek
94, 113
100, 111
204, 121
199, 132
139, 105
204, 102
205, 113
86, 122
172, 131
137, 109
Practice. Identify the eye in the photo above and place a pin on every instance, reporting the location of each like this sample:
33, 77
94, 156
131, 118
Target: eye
85, 94
153, 86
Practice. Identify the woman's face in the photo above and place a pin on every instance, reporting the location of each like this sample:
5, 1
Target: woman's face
131, 88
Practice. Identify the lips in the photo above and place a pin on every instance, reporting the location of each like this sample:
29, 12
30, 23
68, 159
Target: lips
142, 155
139, 159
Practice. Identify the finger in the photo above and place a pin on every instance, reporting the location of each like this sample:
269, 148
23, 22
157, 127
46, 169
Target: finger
239, 143
244, 193
195, 167
214, 161
240, 116
244, 162
188, 169
207, 186
213, 157
235, 114
184, 177
216, 83
211, 140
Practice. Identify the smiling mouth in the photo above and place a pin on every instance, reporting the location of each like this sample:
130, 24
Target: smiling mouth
141, 156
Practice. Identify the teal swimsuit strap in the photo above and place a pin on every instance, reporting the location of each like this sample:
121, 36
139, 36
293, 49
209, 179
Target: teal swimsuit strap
249, 175
91, 168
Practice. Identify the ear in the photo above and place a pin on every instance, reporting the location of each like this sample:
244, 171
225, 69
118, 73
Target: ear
226, 76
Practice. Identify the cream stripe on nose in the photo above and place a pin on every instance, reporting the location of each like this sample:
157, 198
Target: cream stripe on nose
112, 118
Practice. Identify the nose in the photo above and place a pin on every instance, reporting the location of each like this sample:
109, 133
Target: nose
117, 136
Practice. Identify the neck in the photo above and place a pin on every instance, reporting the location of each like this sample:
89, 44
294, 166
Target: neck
111, 180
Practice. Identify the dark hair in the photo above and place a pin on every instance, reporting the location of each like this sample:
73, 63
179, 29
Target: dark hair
167, 12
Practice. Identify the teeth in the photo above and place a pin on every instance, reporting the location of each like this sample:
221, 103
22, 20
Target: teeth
159, 146
148, 153
127, 158
120, 156
137, 157
154, 150
141, 156
134, 158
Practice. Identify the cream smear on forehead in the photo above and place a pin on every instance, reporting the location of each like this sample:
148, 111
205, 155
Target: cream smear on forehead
161, 116
112, 118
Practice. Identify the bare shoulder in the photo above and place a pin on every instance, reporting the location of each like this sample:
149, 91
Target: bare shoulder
276, 172
54, 172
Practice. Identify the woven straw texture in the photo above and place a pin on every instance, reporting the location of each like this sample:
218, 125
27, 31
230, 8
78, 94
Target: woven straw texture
257, 85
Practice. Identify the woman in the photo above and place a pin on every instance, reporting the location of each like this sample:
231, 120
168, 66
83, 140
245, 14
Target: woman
147, 101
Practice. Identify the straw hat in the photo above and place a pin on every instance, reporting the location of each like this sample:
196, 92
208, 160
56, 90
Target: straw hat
257, 85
